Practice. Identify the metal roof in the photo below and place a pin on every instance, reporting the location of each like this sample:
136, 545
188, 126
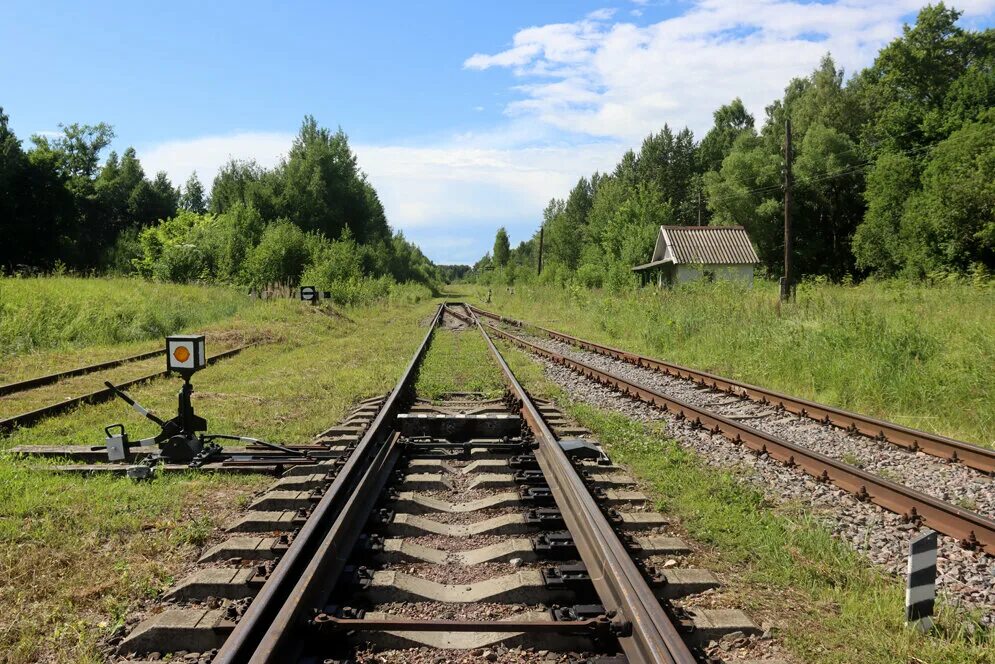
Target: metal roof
708, 245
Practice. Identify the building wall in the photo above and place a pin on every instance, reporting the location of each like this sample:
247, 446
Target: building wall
687, 273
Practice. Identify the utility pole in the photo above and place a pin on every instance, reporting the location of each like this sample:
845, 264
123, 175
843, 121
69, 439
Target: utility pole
699, 204
787, 287
541, 229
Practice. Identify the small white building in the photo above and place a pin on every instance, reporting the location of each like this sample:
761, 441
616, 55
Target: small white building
689, 253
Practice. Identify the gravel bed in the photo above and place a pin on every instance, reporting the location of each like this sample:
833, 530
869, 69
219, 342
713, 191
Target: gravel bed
469, 518
456, 610
952, 482
463, 495
497, 653
446, 543
459, 574
965, 578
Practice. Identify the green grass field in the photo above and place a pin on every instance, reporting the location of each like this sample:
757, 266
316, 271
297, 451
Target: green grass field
79, 554
916, 355
67, 313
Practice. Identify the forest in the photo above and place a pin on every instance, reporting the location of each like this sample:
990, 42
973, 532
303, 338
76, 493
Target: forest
893, 172
313, 217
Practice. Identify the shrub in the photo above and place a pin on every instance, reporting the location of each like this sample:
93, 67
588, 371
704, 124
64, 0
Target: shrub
280, 257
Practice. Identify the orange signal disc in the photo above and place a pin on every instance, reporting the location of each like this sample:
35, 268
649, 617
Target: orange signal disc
181, 354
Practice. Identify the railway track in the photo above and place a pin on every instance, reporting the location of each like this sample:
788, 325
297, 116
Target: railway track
972, 530
471, 528
97, 396
976, 457
39, 381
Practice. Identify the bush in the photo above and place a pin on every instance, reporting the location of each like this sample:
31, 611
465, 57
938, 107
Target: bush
180, 263
590, 276
280, 257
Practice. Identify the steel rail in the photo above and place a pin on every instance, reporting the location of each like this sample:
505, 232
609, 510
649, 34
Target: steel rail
974, 456
98, 396
269, 621
38, 381
972, 529
644, 630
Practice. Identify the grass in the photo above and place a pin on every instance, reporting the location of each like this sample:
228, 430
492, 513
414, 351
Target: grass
66, 313
781, 565
922, 356
79, 554
458, 361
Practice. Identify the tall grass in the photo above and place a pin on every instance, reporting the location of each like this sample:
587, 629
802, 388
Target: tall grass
918, 355
62, 312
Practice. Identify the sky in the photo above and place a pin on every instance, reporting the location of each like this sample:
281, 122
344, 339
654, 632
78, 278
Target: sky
465, 116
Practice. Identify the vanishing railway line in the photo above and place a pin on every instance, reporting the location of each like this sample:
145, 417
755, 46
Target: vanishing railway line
475, 526
971, 529
96, 396
465, 525
976, 457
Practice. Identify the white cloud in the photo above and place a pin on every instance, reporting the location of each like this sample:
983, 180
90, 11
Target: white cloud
585, 91
601, 14
448, 197
469, 186
206, 155
621, 80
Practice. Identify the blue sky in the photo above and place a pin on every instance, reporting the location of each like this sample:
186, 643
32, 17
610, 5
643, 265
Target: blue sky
465, 116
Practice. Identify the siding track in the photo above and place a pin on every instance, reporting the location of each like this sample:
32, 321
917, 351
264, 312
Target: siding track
97, 396
973, 530
976, 457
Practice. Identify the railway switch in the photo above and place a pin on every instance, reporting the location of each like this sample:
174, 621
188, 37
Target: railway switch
181, 439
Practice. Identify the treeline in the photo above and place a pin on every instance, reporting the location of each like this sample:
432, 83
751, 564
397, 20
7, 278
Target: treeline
894, 174
313, 217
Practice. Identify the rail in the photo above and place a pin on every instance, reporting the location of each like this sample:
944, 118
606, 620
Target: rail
644, 630
48, 379
973, 530
97, 396
319, 550
936, 445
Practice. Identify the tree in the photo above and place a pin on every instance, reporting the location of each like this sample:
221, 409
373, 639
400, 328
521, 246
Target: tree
502, 247
891, 183
729, 121
321, 188
192, 198
153, 201
235, 184
77, 150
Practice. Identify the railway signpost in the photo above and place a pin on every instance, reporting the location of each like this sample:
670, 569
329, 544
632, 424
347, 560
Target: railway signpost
920, 592
309, 294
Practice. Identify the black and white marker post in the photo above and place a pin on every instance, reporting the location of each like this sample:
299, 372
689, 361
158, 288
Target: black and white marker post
920, 593
309, 294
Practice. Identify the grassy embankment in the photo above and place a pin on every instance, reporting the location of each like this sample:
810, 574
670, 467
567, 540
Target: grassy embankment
776, 562
922, 356
77, 554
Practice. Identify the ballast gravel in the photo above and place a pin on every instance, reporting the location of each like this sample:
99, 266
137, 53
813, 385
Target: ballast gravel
951, 482
965, 578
